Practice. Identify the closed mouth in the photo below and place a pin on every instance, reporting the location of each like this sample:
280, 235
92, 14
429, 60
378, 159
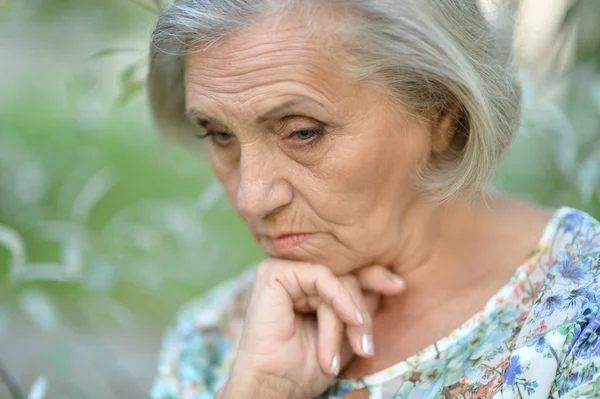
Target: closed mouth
281, 244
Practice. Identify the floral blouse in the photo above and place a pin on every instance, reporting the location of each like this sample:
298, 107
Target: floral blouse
537, 337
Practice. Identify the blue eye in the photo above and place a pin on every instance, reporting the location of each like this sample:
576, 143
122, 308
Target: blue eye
219, 138
305, 134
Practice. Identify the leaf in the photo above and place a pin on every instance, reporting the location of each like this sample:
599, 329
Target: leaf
12, 241
572, 13
129, 92
39, 309
72, 254
112, 51
210, 195
38, 388
128, 74
92, 193
43, 271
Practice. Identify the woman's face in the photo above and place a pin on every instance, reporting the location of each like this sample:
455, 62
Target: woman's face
319, 167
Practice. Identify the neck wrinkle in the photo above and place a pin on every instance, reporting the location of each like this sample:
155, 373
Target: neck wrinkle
432, 243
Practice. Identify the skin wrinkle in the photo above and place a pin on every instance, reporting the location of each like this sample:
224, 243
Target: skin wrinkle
201, 93
355, 187
249, 184
236, 91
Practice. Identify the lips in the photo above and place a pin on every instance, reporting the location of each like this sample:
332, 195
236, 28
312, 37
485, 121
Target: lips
283, 244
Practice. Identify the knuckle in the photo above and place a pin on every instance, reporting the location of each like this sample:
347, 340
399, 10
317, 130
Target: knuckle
314, 302
323, 271
351, 281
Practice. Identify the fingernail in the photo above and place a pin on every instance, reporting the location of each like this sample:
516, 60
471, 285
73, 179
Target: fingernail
359, 317
367, 344
335, 365
398, 281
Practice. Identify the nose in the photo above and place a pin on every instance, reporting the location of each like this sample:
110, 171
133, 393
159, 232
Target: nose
262, 188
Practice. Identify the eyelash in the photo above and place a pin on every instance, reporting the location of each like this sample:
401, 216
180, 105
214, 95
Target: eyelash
316, 133
213, 134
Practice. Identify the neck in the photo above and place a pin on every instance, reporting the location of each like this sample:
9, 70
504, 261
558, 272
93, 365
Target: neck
438, 245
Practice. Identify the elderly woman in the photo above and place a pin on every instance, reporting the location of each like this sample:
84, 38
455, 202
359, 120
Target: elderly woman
354, 138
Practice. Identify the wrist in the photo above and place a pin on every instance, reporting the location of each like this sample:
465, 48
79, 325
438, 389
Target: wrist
251, 385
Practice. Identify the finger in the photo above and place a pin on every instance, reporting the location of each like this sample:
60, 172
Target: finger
311, 303
380, 279
329, 342
346, 352
302, 281
373, 300
359, 337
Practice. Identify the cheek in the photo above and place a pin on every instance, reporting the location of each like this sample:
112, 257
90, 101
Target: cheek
390, 159
370, 173
226, 172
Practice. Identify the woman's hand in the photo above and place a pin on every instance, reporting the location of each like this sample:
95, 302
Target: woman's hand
302, 325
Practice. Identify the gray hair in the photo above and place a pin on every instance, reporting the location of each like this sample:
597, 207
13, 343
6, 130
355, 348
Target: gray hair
430, 54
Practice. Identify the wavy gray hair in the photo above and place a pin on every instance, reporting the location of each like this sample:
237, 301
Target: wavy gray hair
430, 54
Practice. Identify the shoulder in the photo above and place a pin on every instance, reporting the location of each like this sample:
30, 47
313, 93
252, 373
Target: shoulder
570, 258
564, 323
557, 349
197, 349
573, 252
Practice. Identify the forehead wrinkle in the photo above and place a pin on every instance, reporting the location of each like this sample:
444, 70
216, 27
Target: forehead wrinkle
282, 79
235, 64
215, 76
250, 44
298, 63
237, 73
260, 46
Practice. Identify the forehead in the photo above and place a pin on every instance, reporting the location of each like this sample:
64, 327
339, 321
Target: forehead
276, 55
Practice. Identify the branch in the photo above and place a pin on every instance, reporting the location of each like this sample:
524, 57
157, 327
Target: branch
10, 384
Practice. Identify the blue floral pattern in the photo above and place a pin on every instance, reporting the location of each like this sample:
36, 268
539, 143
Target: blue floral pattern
538, 337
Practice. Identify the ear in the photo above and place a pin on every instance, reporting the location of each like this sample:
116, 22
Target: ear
444, 126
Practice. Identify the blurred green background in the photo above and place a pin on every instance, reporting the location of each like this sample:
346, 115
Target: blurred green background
105, 230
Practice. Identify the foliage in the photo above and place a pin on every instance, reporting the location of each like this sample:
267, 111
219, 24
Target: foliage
556, 157
101, 224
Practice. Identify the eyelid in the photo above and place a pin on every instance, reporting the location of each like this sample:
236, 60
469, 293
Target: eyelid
298, 123
291, 118
209, 133
204, 123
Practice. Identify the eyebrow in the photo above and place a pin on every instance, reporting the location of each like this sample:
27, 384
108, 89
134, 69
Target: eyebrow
194, 113
275, 112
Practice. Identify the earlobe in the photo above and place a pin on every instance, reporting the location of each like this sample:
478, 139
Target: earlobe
444, 129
